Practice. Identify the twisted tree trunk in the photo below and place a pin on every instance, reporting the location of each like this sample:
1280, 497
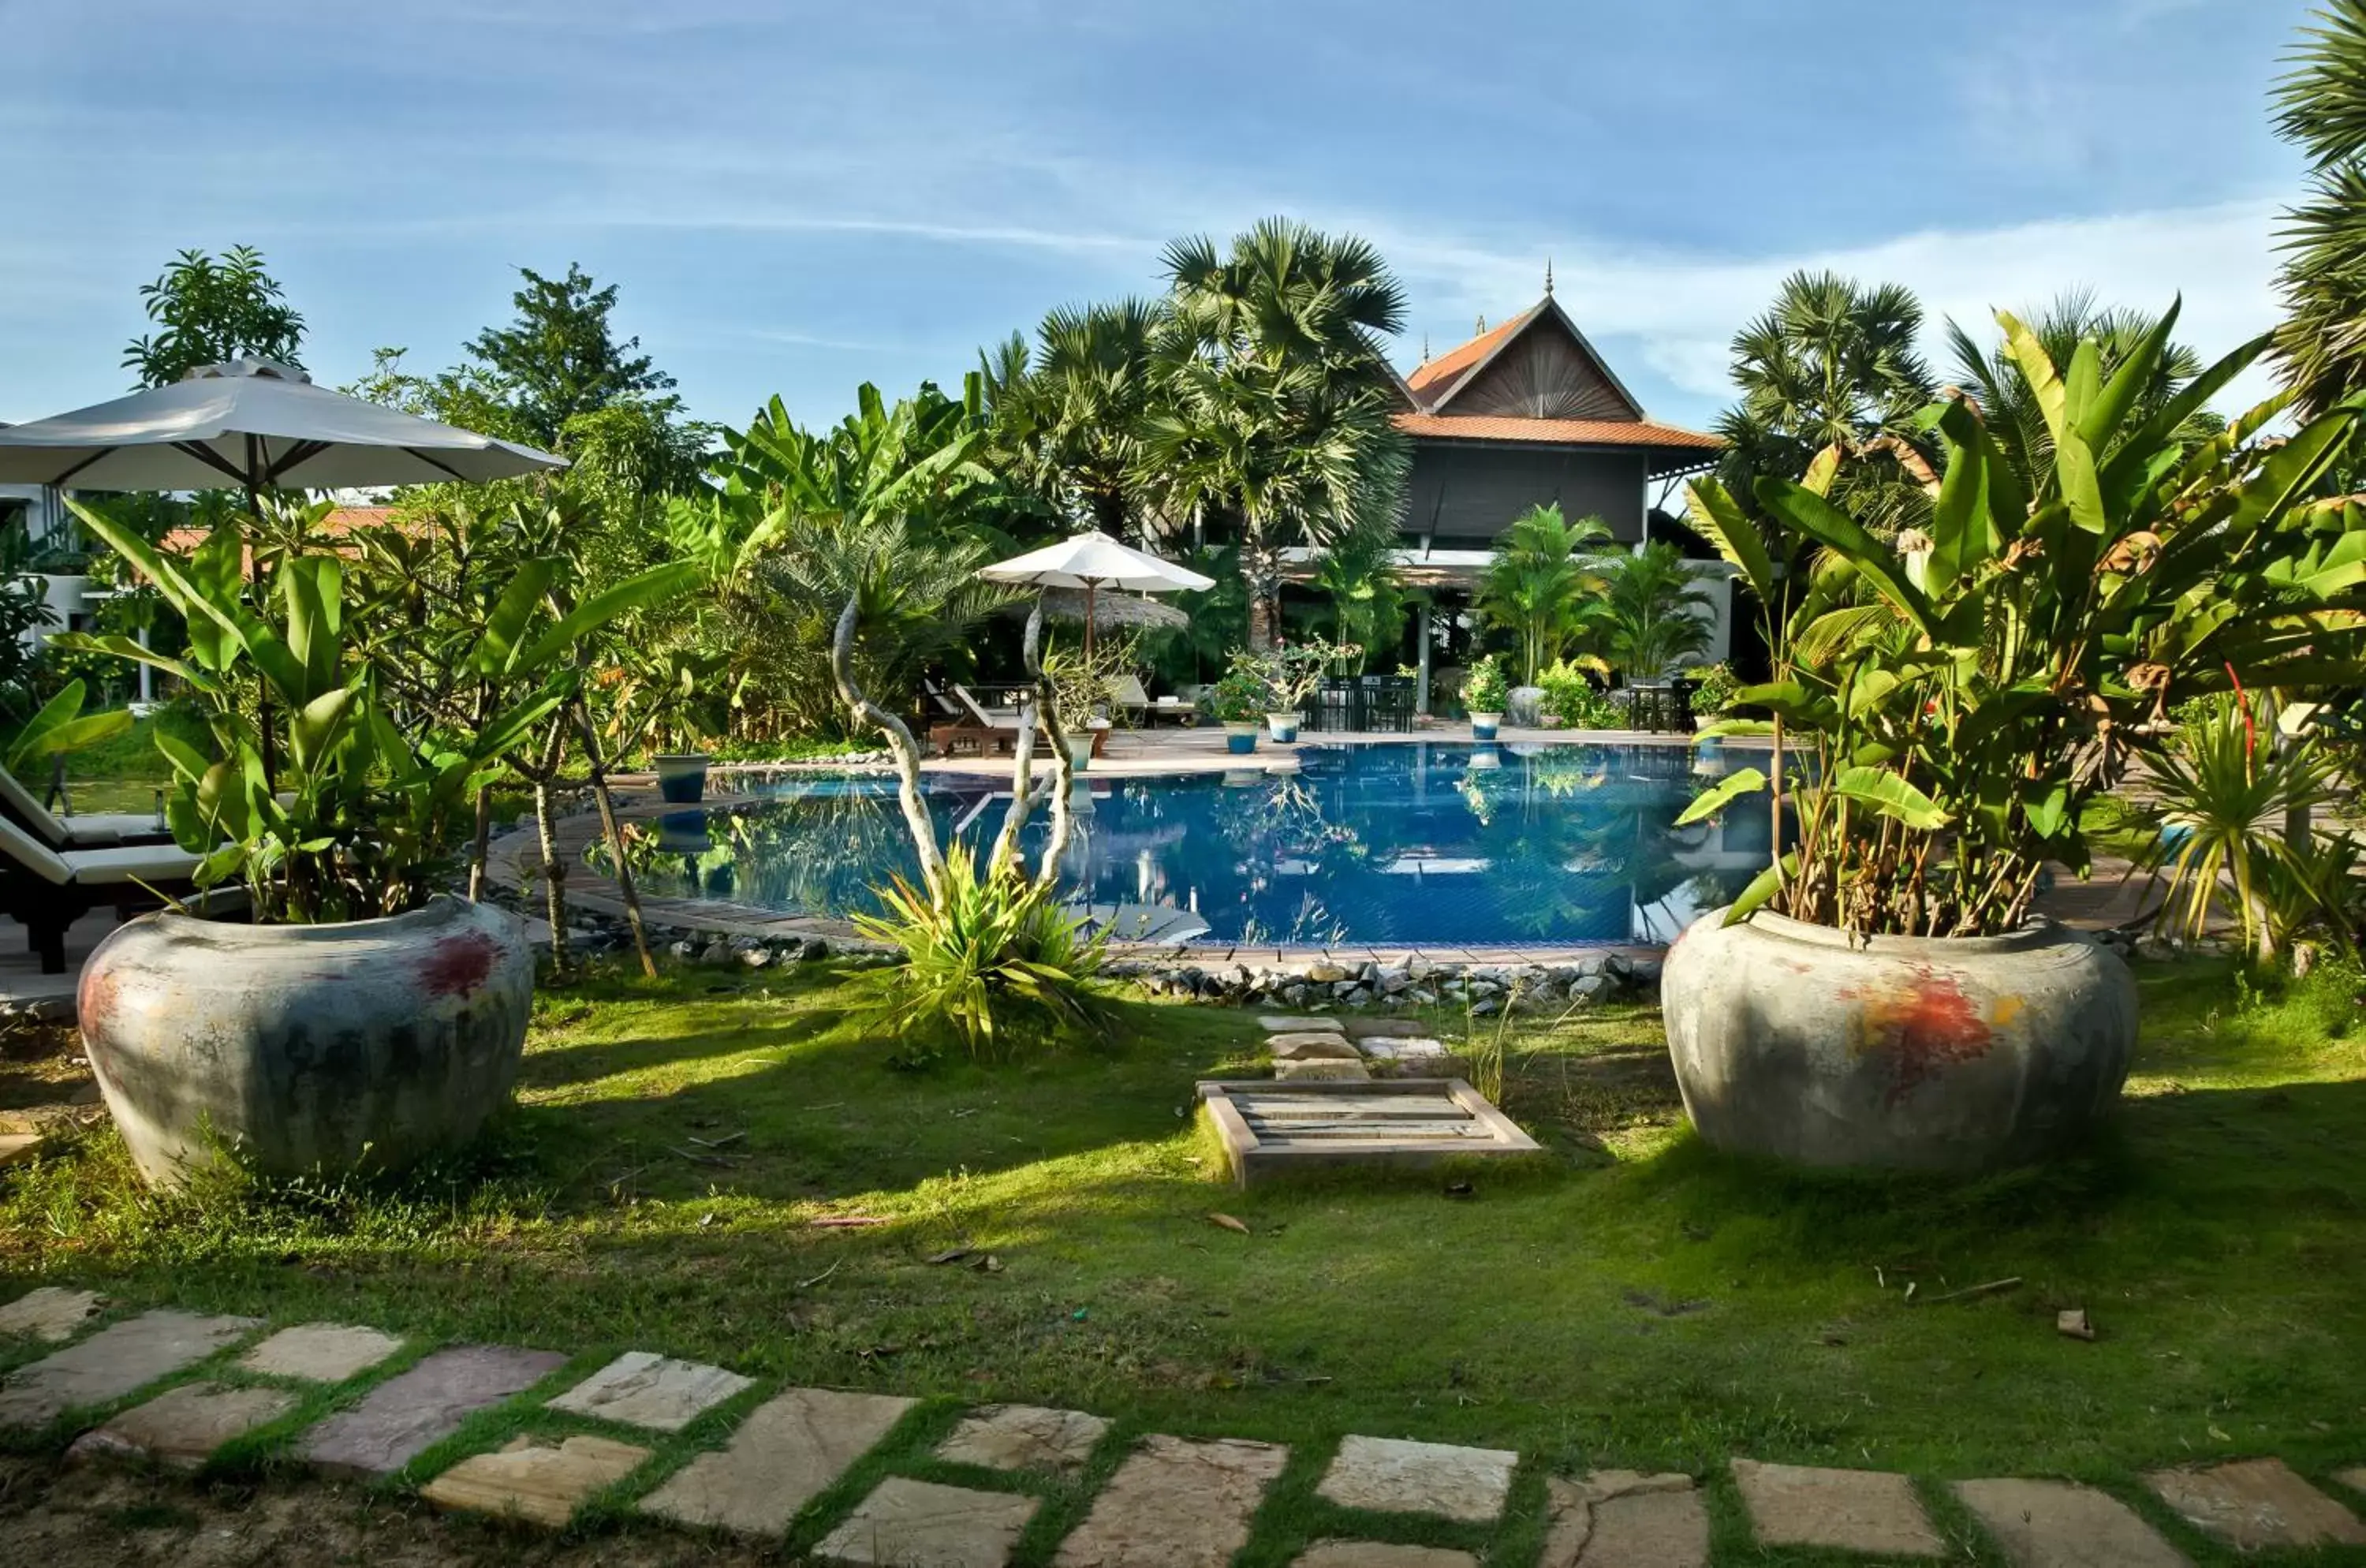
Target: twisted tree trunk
899, 740
615, 841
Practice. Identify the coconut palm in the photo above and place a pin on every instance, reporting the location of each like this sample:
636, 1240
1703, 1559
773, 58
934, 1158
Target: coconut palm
1650, 618
2016, 421
2321, 109
1833, 363
1277, 408
1541, 584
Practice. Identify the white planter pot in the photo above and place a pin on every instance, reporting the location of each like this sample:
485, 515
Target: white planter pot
1484, 725
1283, 726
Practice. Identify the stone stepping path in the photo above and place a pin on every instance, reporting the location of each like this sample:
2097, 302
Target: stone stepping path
1853, 1510
1396, 1476
2052, 1524
402, 1418
116, 1361
2255, 1504
1173, 1502
785, 1454
1024, 1437
1332, 1050
1176, 1503
918, 1524
181, 1429
535, 1478
656, 1391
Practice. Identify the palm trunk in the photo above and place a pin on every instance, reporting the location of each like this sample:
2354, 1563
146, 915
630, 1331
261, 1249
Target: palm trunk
623, 870
479, 842
1261, 573
554, 869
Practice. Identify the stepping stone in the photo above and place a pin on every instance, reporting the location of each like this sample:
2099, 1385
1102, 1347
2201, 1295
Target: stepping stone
50, 1314
320, 1352
1410, 1058
1322, 1072
1312, 1048
1855, 1510
1621, 1518
656, 1392
535, 1478
1374, 1554
15, 1148
782, 1456
2052, 1524
1275, 1024
2256, 1503
1176, 1503
406, 1415
918, 1524
116, 1361
2354, 1479
1393, 1476
1362, 1029
1024, 1437
182, 1427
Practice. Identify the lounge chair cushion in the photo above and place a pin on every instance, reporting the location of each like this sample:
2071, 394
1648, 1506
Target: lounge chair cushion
130, 862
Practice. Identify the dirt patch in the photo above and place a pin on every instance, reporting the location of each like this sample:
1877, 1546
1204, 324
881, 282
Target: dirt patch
102, 1518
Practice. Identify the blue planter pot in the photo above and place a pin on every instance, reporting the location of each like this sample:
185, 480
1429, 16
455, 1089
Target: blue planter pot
1483, 726
1283, 726
1240, 739
681, 781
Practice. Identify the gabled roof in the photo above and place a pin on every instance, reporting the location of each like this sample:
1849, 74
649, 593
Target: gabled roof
1558, 432
1439, 382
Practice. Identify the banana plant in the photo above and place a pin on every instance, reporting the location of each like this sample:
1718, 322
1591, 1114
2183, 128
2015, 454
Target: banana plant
357, 815
62, 726
1963, 691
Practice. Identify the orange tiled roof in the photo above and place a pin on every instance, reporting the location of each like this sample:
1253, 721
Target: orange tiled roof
1447, 366
343, 521
1556, 432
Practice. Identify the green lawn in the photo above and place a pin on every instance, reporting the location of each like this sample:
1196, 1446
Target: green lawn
1632, 1300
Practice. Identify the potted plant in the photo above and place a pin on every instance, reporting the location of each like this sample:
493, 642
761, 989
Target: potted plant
1885, 993
363, 1018
1237, 701
1485, 695
1714, 691
1292, 674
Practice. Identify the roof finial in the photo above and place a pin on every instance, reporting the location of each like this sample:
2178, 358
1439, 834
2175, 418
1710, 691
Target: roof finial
1548, 277
1483, 326
1424, 348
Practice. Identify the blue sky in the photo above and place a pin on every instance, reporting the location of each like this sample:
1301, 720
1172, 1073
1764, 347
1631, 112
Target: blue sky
797, 198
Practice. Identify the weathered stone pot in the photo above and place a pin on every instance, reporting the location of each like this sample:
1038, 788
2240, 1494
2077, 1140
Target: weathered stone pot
370, 1044
1906, 1052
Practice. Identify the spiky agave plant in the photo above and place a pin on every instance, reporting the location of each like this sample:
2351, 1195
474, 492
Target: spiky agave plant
996, 961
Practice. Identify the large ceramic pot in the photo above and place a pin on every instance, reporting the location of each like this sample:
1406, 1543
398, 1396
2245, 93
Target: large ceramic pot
1240, 739
1484, 725
1283, 726
370, 1044
1907, 1053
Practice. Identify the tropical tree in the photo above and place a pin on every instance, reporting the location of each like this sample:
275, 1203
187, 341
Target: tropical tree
1276, 415
1651, 618
1541, 583
1833, 363
560, 357
1365, 598
1068, 417
2009, 405
210, 309
2321, 109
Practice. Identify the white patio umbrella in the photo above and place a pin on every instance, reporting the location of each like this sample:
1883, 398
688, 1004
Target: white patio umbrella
1092, 562
255, 425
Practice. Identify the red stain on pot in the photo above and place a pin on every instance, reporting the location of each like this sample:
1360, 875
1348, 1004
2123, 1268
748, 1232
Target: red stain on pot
1922, 1024
458, 965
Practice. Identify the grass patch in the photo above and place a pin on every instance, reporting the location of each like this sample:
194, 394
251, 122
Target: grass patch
1633, 1300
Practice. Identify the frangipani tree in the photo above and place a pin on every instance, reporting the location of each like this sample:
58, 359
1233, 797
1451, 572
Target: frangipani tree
1966, 691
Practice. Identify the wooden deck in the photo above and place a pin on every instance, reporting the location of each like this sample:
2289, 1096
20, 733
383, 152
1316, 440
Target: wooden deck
1270, 1128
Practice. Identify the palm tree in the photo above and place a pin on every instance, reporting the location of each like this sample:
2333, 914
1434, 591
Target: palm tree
1540, 585
1367, 604
1833, 363
1068, 417
2014, 420
1648, 622
1276, 418
2321, 109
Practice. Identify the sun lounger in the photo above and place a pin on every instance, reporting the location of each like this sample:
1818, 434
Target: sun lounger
48, 890
81, 831
989, 732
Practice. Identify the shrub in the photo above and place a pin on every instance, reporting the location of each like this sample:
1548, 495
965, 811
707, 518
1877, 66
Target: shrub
1571, 697
1243, 695
1484, 690
1000, 965
1714, 689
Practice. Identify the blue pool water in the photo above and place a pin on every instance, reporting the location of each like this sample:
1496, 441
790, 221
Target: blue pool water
1398, 845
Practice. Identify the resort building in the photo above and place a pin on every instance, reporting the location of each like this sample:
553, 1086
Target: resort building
1528, 414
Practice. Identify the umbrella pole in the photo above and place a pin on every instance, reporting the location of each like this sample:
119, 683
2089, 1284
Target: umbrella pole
254, 543
1092, 588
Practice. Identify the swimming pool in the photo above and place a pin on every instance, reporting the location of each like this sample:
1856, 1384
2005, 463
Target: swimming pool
1415, 844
